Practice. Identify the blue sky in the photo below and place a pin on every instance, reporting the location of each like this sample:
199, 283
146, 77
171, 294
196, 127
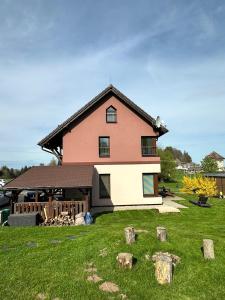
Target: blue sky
167, 56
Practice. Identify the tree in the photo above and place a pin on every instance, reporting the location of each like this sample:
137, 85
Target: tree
201, 186
179, 155
53, 162
9, 173
209, 165
186, 157
5, 172
168, 164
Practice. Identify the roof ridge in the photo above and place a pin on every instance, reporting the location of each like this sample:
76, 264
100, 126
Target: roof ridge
92, 102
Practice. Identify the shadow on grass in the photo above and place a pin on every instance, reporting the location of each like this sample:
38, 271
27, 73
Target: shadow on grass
97, 215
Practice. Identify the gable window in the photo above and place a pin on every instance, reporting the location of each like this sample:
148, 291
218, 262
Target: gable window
104, 186
104, 146
111, 115
148, 146
148, 184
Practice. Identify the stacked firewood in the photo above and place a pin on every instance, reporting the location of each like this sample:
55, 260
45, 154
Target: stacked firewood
62, 220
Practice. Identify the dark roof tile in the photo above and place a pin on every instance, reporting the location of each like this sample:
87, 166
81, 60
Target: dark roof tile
215, 156
68, 176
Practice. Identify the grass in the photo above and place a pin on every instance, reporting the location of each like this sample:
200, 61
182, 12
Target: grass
57, 269
176, 184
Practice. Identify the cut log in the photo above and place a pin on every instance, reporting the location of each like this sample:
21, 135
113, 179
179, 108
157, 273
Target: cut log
163, 269
208, 249
161, 233
64, 213
164, 263
125, 260
45, 213
129, 235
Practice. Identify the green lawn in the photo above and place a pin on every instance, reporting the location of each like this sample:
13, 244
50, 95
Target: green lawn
57, 269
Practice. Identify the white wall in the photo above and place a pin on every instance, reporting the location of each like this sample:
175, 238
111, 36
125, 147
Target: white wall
220, 164
126, 184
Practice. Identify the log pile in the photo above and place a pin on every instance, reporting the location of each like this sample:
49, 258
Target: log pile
61, 220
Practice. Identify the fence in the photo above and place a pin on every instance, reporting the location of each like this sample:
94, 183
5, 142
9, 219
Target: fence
53, 208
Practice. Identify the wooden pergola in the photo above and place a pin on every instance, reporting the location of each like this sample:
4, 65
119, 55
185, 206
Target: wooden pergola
52, 180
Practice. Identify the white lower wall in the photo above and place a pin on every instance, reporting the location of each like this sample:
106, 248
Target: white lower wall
126, 184
220, 165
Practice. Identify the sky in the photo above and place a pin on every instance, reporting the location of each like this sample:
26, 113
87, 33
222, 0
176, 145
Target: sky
166, 56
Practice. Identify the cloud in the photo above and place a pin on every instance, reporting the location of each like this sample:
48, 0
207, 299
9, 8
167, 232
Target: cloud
167, 57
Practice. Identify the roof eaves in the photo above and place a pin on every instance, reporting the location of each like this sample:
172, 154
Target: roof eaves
162, 130
74, 116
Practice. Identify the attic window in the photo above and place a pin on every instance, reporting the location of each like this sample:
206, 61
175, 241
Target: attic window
111, 115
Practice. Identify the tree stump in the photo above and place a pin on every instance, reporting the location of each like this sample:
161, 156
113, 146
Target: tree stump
161, 233
208, 249
125, 260
129, 235
163, 269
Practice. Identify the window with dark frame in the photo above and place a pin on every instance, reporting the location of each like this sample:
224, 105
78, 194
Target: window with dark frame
111, 115
104, 186
148, 147
148, 181
104, 146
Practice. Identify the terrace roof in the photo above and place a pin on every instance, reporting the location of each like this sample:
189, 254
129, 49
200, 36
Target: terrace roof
50, 177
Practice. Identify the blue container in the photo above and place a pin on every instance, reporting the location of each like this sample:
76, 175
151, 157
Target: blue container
88, 218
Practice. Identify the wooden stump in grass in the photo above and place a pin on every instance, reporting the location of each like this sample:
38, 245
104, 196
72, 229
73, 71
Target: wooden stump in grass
163, 269
164, 263
161, 233
208, 249
129, 235
125, 260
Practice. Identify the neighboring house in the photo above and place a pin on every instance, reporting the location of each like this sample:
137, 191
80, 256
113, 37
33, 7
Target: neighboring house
116, 140
218, 158
189, 168
181, 166
194, 168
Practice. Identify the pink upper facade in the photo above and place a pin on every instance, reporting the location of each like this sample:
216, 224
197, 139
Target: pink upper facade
81, 144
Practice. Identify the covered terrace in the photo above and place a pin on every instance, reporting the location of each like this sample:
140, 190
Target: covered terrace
65, 188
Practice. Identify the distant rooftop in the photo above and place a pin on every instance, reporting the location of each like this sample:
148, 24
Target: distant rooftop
221, 174
215, 156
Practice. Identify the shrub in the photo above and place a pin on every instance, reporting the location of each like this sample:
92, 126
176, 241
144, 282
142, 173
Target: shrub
201, 186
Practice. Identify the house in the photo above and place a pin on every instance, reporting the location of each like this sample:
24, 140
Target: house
180, 166
189, 168
107, 156
219, 160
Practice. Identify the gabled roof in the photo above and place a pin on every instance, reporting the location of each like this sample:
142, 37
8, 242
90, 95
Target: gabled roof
45, 177
215, 155
90, 106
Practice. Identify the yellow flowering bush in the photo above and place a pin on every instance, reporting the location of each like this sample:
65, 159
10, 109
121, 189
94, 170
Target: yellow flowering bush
201, 186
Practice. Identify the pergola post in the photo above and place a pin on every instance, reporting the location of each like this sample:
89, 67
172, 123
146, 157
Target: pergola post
13, 200
86, 198
36, 196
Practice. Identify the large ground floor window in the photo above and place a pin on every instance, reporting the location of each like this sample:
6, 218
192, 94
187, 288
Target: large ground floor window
104, 186
149, 187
